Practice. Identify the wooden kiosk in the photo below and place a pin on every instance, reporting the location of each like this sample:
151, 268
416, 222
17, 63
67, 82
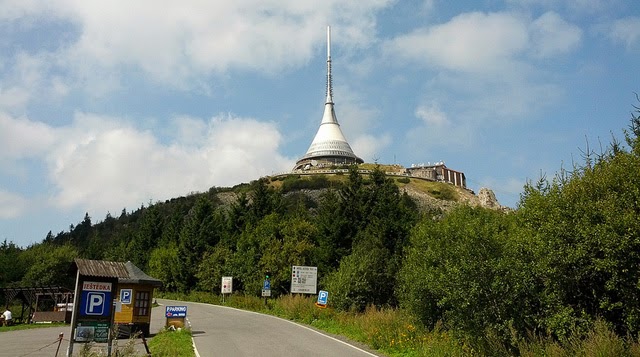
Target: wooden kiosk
135, 295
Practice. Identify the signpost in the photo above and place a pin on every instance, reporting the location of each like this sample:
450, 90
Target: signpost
266, 288
323, 296
304, 280
93, 311
227, 286
175, 315
175, 311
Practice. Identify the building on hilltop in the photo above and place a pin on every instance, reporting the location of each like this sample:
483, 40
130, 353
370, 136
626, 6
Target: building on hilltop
438, 172
329, 147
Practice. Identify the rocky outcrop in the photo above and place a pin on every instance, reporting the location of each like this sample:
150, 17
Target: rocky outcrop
488, 199
425, 202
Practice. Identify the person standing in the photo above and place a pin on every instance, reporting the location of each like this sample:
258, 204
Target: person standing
8, 318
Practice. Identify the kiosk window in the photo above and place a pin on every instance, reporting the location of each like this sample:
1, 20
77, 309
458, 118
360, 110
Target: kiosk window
142, 303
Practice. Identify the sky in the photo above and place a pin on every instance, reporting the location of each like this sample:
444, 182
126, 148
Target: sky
112, 105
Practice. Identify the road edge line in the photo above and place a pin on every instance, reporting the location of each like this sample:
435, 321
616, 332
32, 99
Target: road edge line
283, 319
193, 342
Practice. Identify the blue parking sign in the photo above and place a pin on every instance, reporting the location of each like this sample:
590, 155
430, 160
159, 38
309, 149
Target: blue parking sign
125, 296
95, 299
96, 303
322, 297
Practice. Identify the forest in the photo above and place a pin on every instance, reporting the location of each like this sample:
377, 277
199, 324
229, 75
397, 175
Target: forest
567, 256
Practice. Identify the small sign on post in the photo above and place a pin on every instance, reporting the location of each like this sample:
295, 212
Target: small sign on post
323, 296
266, 288
226, 286
304, 280
175, 316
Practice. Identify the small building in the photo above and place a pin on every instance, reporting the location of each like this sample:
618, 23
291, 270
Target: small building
133, 292
438, 172
136, 314
40, 304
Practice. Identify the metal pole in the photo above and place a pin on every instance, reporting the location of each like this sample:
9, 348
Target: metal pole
59, 342
74, 314
111, 328
144, 341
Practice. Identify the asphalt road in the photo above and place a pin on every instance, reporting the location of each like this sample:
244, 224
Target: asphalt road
222, 331
217, 331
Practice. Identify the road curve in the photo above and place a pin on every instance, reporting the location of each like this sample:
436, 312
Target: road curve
224, 331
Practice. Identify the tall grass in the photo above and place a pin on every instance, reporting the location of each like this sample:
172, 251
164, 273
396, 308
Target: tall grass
396, 333
168, 343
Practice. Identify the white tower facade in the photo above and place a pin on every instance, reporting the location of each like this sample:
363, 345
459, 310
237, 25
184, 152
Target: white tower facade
329, 147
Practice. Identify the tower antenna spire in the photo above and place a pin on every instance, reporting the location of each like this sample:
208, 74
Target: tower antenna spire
329, 78
329, 147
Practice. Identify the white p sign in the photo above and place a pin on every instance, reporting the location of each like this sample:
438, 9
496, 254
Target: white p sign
95, 303
125, 296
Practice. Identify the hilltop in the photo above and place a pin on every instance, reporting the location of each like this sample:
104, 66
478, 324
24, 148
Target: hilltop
428, 195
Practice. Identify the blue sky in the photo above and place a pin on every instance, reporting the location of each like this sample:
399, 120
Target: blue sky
111, 105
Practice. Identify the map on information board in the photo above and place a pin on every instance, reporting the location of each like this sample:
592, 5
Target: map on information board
304, 280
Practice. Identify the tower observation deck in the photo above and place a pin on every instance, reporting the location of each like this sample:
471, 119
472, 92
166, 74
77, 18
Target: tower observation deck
329, 146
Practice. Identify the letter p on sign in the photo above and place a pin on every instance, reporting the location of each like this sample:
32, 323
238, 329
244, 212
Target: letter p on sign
95, 303
125, 296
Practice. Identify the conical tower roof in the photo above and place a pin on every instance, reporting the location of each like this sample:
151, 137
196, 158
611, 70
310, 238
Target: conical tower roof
329, 146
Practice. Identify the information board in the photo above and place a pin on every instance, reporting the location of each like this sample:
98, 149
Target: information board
227, 284
92, 331
175, 311
304, 280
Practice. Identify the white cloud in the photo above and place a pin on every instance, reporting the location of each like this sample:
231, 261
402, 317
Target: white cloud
369, 147
188, 130
573, 6
492, 71
11, 205
428, 138
551, 35
470, 42
22, 138
626, 31
353, 115
431, 114
101, 164
108, 165
13, 98
488, 43
178, 42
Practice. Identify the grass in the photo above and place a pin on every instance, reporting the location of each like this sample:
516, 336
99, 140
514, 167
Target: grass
31, 326
439, 190
395, 333
172, 343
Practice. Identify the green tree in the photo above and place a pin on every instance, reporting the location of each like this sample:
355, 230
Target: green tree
291, 243
164, 264
585, 233
362, 278
48, 265
147, 234
213, 267
12, 266
198, 232
469, 271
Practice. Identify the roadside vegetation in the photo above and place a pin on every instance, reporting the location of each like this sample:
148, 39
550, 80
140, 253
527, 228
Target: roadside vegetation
557, 276
172, 343
30, 326
394, 332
